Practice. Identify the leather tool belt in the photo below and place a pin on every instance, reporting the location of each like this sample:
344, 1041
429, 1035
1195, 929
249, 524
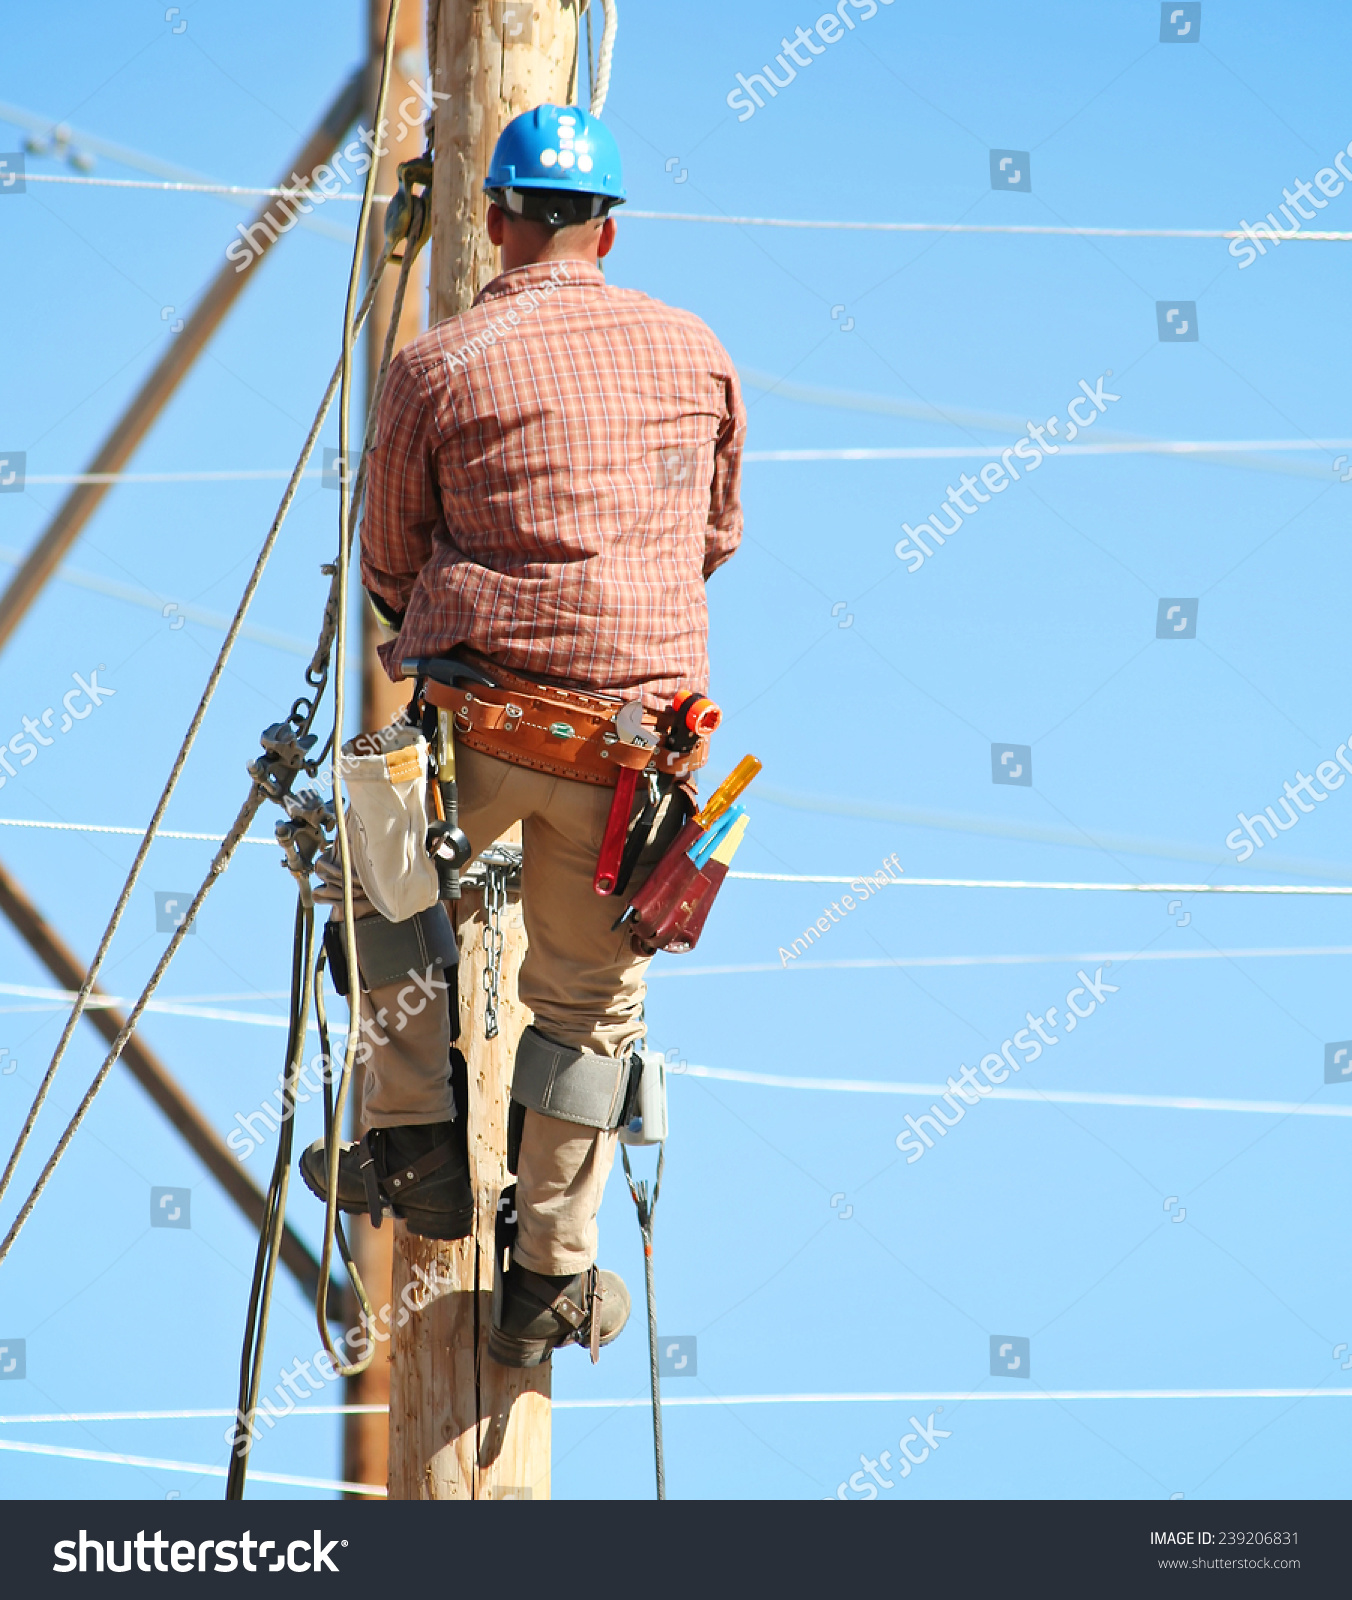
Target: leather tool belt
562, 732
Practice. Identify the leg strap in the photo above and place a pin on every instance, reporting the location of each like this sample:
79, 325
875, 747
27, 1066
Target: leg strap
389, 951
382, 1183
573, 1085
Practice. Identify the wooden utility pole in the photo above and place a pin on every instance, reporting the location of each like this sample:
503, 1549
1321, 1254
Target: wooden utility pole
366, 1437
461, 1426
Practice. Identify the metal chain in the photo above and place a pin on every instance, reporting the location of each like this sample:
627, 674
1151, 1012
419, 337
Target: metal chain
495, 903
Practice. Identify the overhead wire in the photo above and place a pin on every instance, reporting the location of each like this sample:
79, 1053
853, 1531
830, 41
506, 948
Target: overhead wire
794, 877
599, 92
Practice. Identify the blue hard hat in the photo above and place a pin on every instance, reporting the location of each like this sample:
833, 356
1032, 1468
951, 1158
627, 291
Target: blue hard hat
557, 147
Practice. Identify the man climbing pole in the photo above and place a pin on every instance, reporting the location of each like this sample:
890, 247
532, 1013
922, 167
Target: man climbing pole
555, 474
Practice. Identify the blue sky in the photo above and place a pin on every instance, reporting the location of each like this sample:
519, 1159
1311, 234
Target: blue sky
873, 694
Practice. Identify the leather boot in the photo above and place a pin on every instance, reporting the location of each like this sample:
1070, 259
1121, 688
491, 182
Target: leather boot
538, 1313
417, 1173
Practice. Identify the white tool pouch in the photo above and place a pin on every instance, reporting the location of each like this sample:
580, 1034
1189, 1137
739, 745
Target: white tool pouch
386, 778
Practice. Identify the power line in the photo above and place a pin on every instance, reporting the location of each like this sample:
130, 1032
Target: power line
1186, 448
620, 1403
1006, 883
1040, 833
248, 191
971, 452
167, 609
197, 1468
1067, 230
1317, 236
135, 833
1069, 1097
875, 963
219, 475
803, 877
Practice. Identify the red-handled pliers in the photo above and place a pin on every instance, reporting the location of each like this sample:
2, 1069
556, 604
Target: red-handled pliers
630, 729
617, 826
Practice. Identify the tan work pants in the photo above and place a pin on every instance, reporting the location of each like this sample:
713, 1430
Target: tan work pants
581, 980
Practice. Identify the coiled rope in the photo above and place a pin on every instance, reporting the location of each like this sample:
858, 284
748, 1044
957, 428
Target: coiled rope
601, 82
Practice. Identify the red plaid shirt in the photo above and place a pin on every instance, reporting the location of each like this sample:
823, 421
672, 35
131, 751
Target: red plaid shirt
555, 474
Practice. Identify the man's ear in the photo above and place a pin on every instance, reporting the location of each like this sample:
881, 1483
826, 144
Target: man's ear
495, 223
607, 238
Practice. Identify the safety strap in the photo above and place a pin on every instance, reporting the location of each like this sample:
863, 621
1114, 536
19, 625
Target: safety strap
579, 1086
381, 1188
585, 1319
388, 952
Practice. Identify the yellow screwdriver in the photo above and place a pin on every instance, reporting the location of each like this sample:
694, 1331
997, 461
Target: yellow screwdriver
727, 791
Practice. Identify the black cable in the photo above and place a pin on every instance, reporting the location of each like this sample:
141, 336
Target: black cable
274, 1209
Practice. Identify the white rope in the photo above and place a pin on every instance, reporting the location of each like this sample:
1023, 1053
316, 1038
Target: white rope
1069, 1097
196, 1468
601, 87
1001, 883
1314, 235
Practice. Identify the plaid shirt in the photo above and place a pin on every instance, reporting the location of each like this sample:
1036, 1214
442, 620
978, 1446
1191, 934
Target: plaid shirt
555, 475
